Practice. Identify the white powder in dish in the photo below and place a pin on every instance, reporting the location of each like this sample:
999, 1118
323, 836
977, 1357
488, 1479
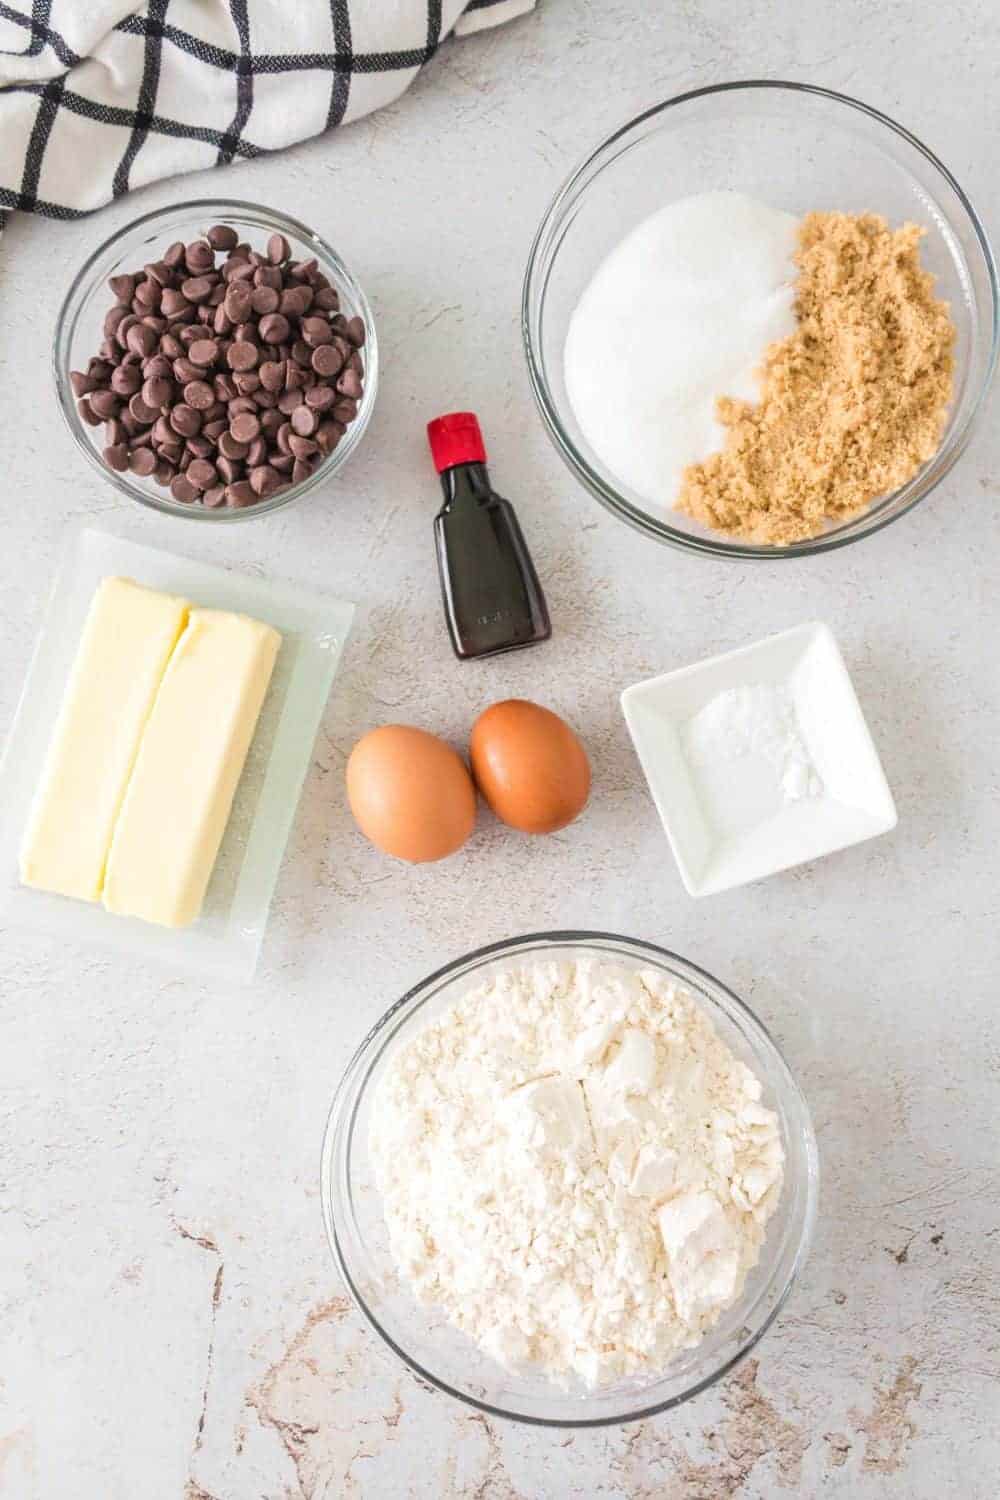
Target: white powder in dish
748, 756
575, 1168
680, 313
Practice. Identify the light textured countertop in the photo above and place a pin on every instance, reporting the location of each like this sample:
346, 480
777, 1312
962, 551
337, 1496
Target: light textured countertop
171, 1326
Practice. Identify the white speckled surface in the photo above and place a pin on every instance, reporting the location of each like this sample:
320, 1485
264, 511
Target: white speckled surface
171, 1327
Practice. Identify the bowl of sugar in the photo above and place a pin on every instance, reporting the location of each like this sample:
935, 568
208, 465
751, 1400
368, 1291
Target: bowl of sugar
760, 321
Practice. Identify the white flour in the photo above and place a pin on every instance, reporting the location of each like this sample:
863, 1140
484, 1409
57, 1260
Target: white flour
748, 755
680, 313
575, 1168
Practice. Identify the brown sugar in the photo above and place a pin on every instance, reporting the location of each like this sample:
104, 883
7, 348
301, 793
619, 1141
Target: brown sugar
852, 403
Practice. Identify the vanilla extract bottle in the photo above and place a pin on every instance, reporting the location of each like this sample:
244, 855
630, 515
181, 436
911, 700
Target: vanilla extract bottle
492, 597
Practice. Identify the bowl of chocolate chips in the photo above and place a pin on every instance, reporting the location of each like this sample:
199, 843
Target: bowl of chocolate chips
216, 360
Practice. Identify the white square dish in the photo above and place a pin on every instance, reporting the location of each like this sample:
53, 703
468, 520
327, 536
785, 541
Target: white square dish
225, 941
855, 803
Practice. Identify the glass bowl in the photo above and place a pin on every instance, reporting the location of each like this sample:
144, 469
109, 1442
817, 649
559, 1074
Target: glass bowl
422, 1337
79, 333
796, 147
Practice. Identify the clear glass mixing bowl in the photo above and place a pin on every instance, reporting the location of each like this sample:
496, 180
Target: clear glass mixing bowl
79, 333
421, 1336
796, 147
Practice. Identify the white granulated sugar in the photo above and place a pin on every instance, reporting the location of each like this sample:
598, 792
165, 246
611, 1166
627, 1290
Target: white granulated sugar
575, 1168
748, 756
679, 314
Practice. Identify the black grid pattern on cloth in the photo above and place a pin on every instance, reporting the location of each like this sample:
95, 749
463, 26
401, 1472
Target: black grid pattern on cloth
239, 65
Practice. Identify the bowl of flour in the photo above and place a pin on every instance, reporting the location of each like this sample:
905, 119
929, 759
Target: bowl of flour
760, 321
569, 1179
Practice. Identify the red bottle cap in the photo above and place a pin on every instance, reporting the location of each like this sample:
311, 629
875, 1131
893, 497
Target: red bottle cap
456, 439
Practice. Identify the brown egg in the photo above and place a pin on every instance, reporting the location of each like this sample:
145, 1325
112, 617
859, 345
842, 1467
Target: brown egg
529, 765
410, 793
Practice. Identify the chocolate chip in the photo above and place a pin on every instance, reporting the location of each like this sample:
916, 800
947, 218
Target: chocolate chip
328, 435
237, 269
185, 420
242, 355
244, 427
183, 490
316, 331
319, 397
301, 447
272, 374
355, 332
123, 288
229, 468
199, 394
222, 237
200, 257
274, 328
157, 392
264, 300
289, 400
203, 352
238, 302
327, 360
278, 249
126, 380
197, 288
304, 270
116, 457
142, 461
201, 474
304, 421
143, 414
349, 385
140, 339
240, 494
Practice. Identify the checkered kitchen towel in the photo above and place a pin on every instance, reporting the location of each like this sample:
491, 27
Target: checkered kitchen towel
100, 96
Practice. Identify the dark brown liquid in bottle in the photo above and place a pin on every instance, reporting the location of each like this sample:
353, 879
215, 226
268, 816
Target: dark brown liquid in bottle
492, 597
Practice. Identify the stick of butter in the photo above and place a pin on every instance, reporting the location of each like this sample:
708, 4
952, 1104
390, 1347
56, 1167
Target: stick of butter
127, 640
189, 764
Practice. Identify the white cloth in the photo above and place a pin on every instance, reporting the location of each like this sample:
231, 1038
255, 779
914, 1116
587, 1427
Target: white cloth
102, 97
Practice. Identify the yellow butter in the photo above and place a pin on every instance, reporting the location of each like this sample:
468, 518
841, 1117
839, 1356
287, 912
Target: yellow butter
127, 640
189, 763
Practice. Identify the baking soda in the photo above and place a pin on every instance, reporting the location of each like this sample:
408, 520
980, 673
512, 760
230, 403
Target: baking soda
679, 314
749, 757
